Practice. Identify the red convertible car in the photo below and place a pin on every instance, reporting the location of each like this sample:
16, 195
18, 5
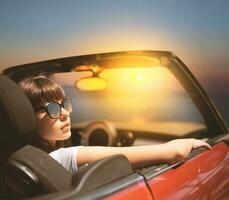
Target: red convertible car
119, 99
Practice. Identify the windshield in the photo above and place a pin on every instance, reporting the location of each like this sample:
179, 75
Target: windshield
146, 99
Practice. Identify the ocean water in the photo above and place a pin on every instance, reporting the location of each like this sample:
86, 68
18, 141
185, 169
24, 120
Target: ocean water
91, 107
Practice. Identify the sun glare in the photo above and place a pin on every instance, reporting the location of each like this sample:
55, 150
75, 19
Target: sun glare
136, 78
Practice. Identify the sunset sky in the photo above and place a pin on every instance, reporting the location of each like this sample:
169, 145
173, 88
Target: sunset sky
197, 31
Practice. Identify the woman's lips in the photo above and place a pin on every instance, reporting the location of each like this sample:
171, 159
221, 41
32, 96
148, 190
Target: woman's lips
66, 127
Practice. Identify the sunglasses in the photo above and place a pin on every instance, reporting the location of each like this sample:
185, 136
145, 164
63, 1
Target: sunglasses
54, 108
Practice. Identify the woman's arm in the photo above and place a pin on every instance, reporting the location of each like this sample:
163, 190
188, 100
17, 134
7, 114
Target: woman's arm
169, 152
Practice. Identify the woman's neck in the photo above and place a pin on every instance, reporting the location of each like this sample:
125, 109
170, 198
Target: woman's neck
52, 142
46, 145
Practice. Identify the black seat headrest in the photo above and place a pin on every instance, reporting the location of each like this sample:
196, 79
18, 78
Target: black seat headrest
17, 120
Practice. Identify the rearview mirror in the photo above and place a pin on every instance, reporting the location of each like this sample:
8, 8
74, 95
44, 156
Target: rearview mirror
94, 83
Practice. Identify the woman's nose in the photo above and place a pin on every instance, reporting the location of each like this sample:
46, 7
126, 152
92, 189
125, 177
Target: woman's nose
64, 114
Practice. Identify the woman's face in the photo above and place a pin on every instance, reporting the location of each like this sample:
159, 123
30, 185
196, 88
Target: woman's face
53, 129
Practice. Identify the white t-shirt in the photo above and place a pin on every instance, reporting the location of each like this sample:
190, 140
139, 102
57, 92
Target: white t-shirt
66, 157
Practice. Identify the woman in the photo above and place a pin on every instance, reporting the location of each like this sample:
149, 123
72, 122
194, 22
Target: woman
52, 112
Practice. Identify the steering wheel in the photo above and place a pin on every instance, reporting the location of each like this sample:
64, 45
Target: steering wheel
99, 133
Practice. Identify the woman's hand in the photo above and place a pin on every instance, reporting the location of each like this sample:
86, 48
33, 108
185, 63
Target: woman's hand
182, 147
200, 143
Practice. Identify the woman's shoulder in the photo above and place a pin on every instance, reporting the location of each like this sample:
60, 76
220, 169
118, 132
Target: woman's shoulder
64, 151
67, 157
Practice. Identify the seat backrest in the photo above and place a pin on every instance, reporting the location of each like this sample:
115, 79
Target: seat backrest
101, 172
31, 172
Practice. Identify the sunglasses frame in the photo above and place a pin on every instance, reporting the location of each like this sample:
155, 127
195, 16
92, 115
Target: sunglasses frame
61, 105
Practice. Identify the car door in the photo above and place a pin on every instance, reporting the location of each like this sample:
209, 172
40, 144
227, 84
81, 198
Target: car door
124, 189
204, 175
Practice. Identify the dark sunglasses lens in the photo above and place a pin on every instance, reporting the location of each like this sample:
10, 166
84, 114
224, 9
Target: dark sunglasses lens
67, 105
54, 110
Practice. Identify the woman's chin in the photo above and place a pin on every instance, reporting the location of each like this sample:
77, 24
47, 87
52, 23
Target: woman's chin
66, 134
61, 135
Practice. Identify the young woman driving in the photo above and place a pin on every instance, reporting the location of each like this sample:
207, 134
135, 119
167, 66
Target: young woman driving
52, 112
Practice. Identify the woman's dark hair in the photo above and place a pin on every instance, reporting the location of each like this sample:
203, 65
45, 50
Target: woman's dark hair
41, 90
